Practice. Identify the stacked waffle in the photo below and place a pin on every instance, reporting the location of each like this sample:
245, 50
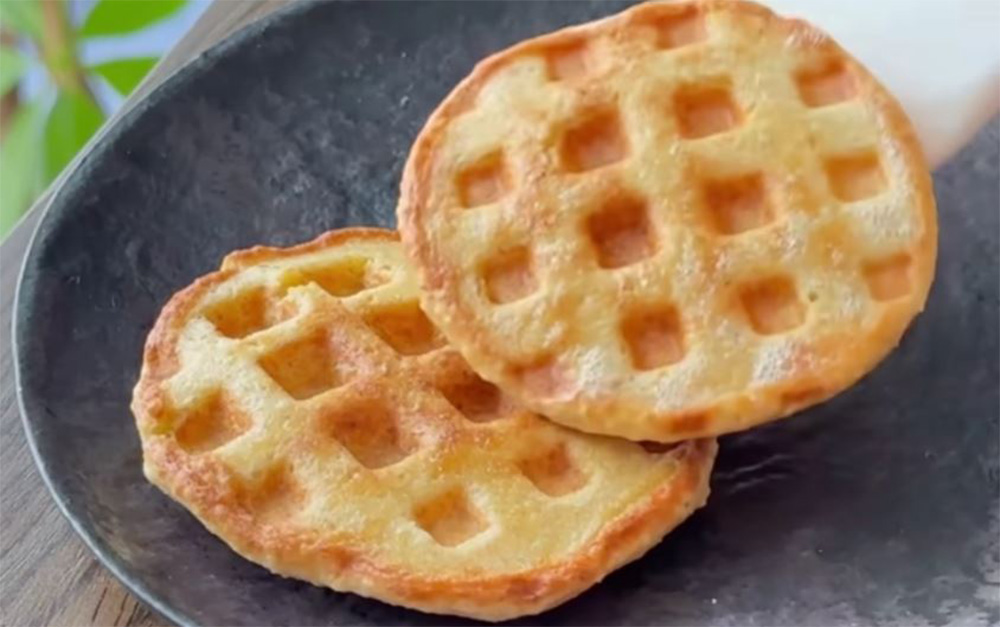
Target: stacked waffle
618, 241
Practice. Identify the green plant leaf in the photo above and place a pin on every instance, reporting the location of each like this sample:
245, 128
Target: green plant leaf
124, 74
12, 67
117, 17
20, 165
22, 16
72, 120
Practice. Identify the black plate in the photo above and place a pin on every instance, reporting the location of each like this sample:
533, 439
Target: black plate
879, 506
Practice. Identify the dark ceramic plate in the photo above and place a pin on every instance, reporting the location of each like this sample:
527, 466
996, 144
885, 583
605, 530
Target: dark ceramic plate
877, 507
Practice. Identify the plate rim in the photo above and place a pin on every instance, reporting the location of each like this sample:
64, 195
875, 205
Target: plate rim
203, 62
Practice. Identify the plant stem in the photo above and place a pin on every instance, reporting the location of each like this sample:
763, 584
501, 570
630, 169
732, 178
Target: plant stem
9, 101
59, 53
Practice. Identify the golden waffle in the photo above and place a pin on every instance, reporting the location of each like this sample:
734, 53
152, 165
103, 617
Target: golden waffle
682, 220
300, 404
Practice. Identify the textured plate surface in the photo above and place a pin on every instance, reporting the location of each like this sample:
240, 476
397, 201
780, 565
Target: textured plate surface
879, 506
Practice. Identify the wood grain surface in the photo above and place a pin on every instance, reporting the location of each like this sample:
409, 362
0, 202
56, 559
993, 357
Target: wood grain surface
47, 575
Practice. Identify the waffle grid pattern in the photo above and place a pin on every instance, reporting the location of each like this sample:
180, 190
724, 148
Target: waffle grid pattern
671, 206
335, 408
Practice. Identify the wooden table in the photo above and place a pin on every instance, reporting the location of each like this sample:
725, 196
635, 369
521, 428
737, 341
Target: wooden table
47, 575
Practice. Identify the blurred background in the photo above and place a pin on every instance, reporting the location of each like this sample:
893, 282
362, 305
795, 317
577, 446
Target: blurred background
65, 66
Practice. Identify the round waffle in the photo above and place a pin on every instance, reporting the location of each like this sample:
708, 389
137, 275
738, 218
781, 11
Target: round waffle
301, 405
682, 220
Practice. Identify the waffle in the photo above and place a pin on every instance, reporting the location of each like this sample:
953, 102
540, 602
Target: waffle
679, 221
304, 409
